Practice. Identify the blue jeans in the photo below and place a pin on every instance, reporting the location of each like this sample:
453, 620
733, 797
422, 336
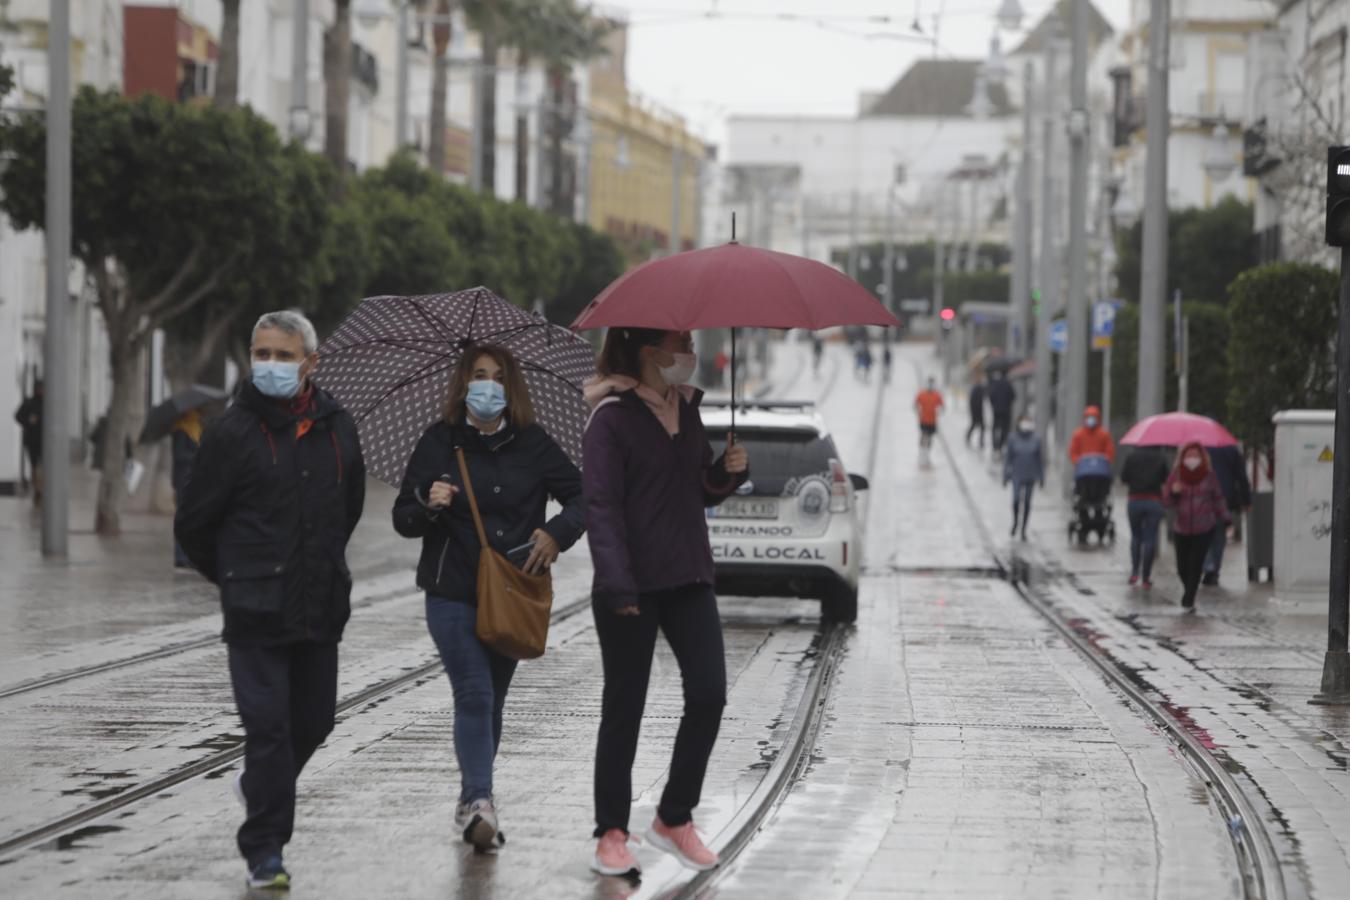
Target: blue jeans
1214, 558
479, 679
1145, 517
1022, 491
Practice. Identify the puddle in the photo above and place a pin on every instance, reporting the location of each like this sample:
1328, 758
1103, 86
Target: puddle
72, 840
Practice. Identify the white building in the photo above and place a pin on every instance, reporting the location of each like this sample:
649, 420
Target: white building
1207, 83
1297, 87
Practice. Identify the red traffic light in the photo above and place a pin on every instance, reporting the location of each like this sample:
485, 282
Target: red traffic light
948, 314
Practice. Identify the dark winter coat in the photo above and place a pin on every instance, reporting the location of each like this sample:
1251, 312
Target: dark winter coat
184, 452
31, 431
514, 472
1002, 396
1200, 507
646, 496
1231, 471
977, 396
1144, 472
267, 516
1023, 461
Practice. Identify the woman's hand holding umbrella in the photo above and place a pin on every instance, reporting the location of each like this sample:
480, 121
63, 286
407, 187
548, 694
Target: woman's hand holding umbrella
442, 494
736, 459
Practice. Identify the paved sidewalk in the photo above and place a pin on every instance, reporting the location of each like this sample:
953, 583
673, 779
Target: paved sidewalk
967, 750
1240, 669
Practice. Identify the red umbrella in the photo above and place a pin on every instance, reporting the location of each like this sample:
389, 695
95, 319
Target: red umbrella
1176, 429
733, 286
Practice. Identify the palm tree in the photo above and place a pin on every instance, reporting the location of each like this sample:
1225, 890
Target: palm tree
337, 77
487, 18
574, 36
227, 69
440, 36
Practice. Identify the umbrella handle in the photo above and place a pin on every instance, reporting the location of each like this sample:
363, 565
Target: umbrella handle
733, 385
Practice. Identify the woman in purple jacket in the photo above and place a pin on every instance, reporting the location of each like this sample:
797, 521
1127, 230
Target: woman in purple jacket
648, 476
1193, 491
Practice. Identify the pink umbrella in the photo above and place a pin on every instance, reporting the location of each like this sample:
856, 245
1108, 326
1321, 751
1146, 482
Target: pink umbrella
1177, 428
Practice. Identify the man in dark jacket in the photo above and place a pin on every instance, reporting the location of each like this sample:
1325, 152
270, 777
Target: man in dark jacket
1231, 470
977, 392
1144, 473
273, 497
29, 417
1002, 396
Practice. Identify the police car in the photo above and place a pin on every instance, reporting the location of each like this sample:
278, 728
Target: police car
793, 529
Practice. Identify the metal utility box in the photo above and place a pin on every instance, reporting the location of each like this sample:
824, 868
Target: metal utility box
1303, 464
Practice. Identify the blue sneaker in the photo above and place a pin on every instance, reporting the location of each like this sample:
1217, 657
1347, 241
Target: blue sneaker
270, 875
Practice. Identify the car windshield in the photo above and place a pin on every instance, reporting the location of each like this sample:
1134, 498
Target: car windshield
778, 458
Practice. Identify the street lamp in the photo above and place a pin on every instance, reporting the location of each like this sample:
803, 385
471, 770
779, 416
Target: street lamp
1219, 162
1009, 15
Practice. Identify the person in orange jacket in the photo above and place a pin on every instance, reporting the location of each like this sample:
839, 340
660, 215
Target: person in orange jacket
1091, 438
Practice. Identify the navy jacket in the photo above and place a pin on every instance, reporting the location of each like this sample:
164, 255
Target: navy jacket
267, 516
646, 496
514, 473
1231, 471
1002, 395
1023, 461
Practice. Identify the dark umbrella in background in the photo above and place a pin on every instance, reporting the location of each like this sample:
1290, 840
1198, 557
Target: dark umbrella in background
389, 364
159, 421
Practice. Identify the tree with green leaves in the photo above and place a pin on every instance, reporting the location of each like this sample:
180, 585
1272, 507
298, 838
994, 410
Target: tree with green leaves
6, 80
1281, 347
1207, 249
167, 205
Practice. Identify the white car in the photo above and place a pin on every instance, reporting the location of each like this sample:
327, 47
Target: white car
793, 529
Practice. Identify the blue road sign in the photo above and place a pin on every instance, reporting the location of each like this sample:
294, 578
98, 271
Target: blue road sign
1059, 335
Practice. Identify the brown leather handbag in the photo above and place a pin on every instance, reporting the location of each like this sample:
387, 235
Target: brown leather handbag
513, 607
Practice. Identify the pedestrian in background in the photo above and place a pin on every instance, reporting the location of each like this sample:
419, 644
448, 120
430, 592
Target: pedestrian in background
29, 417
186, 437
1001, 396
515, 468
649, 474
275, 492
1144, 473
1091, 439
1193, 491
928, 404
1231, 470
887, 360
1024, 467
977, 397
817, 350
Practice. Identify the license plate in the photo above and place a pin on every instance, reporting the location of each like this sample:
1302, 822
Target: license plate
748, 509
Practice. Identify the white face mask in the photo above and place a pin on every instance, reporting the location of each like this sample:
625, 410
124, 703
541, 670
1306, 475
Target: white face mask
1024, 427
681, 370
1191, 462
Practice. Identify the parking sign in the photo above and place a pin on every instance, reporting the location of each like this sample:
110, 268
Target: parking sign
1103, 323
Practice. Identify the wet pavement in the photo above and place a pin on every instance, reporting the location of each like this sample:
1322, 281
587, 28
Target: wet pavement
965, 748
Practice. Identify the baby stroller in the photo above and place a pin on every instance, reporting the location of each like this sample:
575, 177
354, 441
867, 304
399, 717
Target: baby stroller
1092, 500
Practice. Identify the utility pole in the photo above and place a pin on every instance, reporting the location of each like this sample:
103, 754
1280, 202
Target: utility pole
853, 235
1020, 286
939, 261
1336, 664
300, 70
1075, 395
1149, 400
888, 256
1049, 259
56, 361
676, 195
401, 137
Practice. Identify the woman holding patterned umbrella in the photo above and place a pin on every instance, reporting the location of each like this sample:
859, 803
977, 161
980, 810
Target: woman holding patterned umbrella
515, 467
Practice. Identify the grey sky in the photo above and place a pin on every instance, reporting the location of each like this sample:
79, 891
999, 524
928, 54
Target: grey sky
747, 61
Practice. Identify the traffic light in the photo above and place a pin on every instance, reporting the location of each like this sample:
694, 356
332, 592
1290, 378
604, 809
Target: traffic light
1035, 302
1338, 196
948, 316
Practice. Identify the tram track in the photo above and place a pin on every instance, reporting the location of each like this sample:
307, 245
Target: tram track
1254, 849
90, 813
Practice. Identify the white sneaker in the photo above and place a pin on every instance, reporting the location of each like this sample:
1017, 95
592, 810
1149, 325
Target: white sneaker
481, 830
239, 790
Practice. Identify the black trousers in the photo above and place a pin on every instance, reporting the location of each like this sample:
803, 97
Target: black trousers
287, 697
1191, 551
688, 617
976, 425
999, 433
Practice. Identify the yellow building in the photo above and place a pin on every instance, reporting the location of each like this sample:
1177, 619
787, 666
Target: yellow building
636, 152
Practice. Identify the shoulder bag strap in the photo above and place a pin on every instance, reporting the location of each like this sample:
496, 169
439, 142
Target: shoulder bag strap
473, 501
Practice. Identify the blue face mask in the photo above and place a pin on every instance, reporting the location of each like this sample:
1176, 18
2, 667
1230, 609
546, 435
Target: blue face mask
279, 380
485, 400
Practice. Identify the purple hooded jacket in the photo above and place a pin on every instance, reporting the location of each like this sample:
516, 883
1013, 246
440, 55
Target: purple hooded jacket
645, 494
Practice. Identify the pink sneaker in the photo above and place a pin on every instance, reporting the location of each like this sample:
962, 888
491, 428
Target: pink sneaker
612, 856
683, 843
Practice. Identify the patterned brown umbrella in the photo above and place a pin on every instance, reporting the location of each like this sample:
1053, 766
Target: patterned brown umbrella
389, 364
